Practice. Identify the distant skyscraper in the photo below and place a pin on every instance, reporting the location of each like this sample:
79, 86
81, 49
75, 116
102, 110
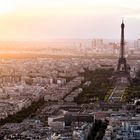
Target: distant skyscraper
97, 44
137, 44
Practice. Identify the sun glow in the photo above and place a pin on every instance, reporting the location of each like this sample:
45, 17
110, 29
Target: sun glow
5, 10
7, 6
42, 19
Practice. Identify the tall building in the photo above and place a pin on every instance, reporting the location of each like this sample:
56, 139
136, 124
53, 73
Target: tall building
97, 44
137, 43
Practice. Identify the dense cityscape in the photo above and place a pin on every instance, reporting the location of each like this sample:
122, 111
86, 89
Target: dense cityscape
69, 70
70, 93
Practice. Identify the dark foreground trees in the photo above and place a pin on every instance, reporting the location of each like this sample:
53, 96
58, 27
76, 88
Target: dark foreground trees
97, 130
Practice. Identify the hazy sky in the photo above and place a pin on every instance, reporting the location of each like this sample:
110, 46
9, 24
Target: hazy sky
45, 19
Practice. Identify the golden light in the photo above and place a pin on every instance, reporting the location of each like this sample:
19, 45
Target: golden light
53, 17
7, 6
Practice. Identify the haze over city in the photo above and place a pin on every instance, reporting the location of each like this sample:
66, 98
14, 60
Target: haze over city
69, 70
37, 20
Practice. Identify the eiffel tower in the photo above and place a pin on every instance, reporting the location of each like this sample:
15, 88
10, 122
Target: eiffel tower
123, 69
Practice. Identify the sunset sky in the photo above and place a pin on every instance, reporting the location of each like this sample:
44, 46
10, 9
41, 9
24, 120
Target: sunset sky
48, 19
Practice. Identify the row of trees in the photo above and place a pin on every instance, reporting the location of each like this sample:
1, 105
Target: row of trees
133, 91
100, 84
24, 113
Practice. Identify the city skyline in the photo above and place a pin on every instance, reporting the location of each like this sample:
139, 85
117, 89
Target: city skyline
69, 70
39, 20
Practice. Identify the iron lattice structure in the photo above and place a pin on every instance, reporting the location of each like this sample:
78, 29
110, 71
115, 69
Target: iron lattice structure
122, 63
123, 69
